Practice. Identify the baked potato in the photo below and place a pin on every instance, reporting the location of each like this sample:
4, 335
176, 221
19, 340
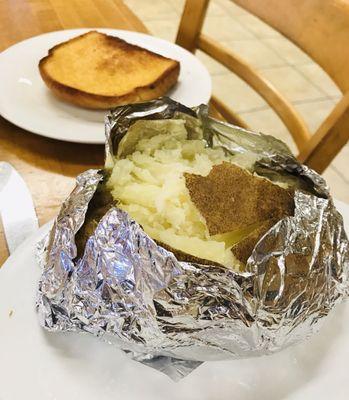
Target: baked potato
202, 203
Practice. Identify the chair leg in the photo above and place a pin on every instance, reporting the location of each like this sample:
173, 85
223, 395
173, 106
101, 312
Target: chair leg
329, 139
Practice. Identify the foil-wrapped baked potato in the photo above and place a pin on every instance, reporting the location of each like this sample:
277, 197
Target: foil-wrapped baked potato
198, 241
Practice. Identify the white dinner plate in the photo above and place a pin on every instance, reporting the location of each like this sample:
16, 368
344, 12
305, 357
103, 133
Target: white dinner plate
27, 102
38, 365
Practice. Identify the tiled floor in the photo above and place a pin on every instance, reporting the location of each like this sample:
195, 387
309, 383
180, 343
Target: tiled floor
288, 68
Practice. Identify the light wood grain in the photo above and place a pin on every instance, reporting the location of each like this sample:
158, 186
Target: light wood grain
48, 166
321, 29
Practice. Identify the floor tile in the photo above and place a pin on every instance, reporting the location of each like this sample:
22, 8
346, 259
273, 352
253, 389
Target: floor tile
288, 51
231, 9
225, 28
315, 112
215, 7
236, 93
256, 53
341, 163
259, 29
338, 187
292, 84
164, 29
177, 5
214, 67
315, 74
215, 10
154, 9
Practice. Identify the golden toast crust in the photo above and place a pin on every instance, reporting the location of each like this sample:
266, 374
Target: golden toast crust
99, 101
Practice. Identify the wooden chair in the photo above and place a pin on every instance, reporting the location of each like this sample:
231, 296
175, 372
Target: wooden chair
321, 29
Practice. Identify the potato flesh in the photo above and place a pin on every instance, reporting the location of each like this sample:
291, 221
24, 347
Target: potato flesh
149, 185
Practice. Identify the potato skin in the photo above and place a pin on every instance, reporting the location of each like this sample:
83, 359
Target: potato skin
182, 256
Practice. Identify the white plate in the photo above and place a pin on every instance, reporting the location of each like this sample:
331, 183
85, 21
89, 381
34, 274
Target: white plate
26, 102
37, 365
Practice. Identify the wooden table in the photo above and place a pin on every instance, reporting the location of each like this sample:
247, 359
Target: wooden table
50, 166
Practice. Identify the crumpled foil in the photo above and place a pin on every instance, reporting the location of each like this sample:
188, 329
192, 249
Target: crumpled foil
174, 315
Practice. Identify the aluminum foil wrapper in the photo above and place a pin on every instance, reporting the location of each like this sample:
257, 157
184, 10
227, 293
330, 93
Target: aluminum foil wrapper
174, 315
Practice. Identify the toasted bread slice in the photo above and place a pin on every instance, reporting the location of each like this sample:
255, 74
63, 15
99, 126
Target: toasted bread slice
98, 71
